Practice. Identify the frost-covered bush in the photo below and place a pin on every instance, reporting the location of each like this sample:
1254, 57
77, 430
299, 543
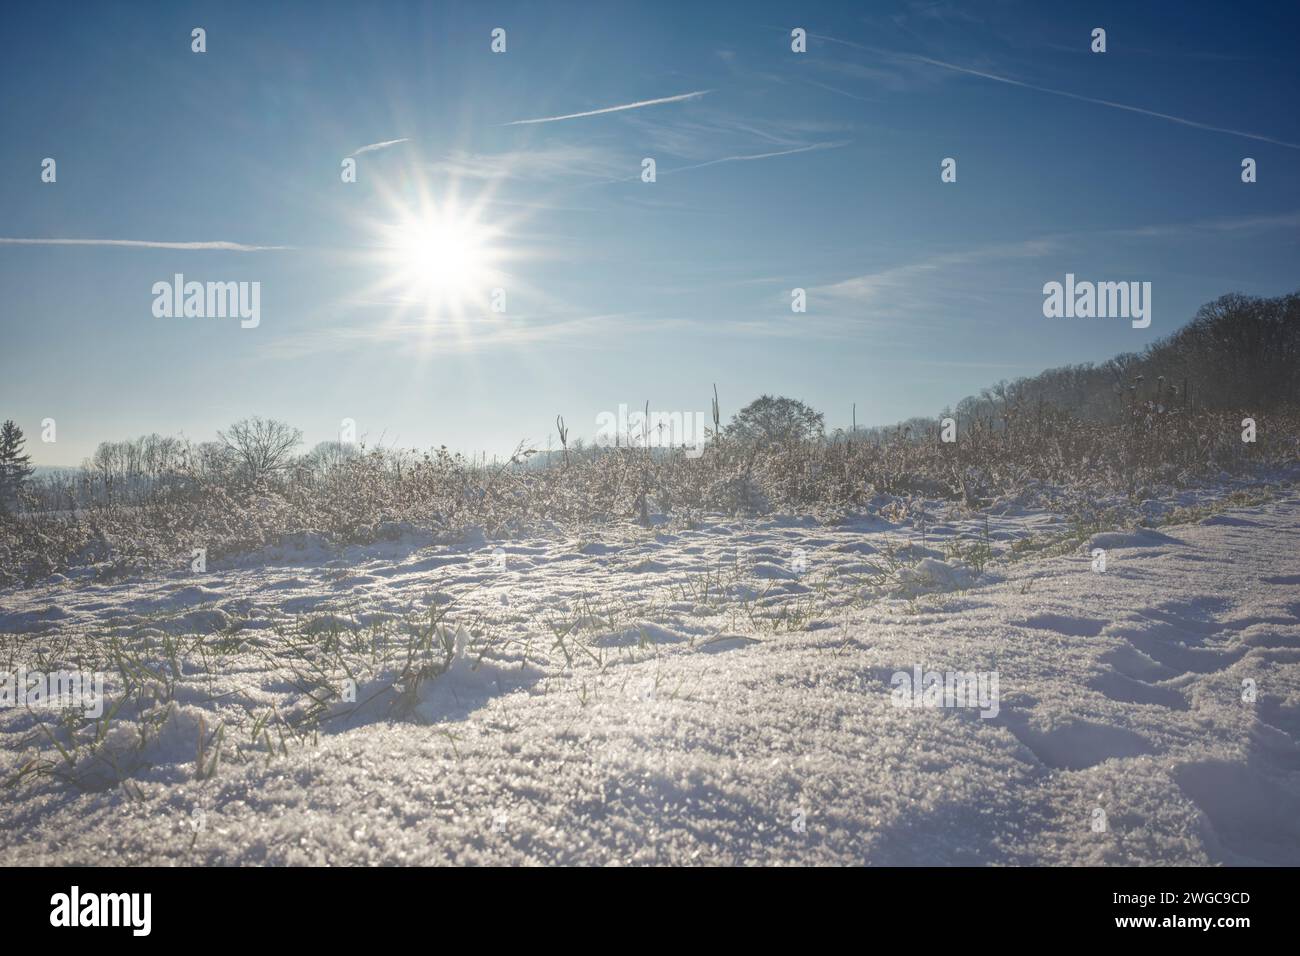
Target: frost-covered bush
117, 527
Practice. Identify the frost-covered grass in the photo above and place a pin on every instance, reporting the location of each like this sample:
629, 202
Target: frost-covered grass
123, 524
682, 694
166, 690
648, 657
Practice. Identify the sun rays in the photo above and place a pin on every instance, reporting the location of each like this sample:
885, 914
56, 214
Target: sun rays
440, 259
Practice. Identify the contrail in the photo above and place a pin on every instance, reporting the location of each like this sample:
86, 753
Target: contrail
611, 109
142, 244
1074, 96
384, 145
727, 159
742, 159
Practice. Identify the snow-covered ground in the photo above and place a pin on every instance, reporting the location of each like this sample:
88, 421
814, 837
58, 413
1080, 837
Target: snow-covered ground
722, 695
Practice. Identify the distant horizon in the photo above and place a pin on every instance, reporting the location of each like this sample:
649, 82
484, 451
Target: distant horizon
309, 443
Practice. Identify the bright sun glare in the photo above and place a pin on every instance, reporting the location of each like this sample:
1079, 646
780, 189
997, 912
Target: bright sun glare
443, 259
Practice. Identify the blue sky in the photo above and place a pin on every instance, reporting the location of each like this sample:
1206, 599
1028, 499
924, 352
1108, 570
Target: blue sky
816, 170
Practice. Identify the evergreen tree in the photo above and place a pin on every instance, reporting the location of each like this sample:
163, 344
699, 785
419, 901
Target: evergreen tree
15, 467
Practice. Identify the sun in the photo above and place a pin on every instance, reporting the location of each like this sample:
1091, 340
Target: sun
442, 258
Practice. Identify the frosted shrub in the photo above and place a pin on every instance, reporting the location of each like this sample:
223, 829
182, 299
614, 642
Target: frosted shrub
98, 519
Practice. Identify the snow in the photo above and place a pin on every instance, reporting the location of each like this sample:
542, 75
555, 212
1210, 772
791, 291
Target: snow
689, 696
930, 574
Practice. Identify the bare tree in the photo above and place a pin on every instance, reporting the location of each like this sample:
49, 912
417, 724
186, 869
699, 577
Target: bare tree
261, 446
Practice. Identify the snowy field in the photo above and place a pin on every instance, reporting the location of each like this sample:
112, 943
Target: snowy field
725, 694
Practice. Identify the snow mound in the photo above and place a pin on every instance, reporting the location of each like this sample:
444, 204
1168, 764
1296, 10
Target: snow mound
643, 632
931, 575
467, 686
1137, 538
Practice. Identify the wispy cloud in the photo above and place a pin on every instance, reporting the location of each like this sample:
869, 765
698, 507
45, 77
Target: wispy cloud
891, 285
1082, 49
941, 10
1183, 121
923, 286
142, 244
739, 158
550, 162
836, 89
1234, 224
894, 75
372, 147
484, 334
754, 156
612, 109
712, 135
712, 139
